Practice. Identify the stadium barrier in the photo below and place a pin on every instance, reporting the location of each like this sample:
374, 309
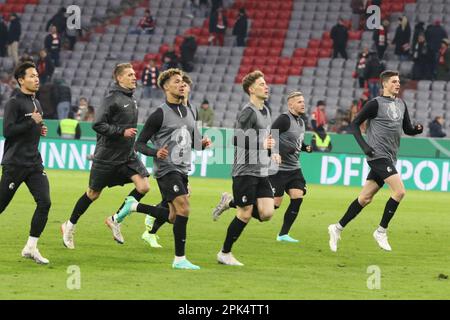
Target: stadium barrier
346, 167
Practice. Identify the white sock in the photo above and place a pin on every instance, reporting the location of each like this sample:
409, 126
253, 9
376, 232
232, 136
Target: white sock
381, 229
339, 227
178, 259
70, 225
115, 217
134, 206
32, 242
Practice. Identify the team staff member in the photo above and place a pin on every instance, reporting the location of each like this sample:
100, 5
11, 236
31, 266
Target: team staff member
22, 162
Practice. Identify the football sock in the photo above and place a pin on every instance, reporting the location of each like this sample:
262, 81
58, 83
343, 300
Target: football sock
351, 213
389, 211
234, 231
179, 233
156, 212
80, 207
290, 215
255, 213
134, 193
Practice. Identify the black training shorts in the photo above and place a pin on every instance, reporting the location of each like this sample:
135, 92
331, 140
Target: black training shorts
246, 189
381, 169
283, 181
173, 185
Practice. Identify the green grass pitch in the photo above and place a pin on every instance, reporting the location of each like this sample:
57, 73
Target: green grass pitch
419, 235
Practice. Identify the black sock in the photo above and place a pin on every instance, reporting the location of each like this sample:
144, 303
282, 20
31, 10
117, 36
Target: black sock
136, 194
234, 231
232, 204
179, 233
290, 215
160, 221
351, 213
389, 211
156, 212
255, 213
80, 207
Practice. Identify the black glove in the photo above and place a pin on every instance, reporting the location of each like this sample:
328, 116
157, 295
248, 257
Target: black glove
418, 128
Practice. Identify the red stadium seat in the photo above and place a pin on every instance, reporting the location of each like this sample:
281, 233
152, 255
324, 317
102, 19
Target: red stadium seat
264, 43
275, 52
253, 42
313, 43
247, 61
310, 62
270, 24
258, 24
312, 52
298, 61
260, 14
262, 52
284, 62
249, 51
326, 44
282, 24
325, 52
269, 78
295, 70
245, 69
272, 14
397, 6
277, 42
282, 70
259, 61
300, 52
284, 15
280, 79
354, 35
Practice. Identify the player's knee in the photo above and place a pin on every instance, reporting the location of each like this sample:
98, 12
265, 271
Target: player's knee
399, 195
44, 204
266, 214
143, 189
364, 200
93, 195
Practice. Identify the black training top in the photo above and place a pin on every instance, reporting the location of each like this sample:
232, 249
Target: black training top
21, 132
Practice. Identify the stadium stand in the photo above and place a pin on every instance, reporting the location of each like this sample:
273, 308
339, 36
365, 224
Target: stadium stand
288, 40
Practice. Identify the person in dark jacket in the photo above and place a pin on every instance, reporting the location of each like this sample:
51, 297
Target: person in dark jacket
170, 58
3, 37
380, 39
374, 68
45, 67
434, 35
115, 161
46, 95
436, 127
339, 35
63, 98
22, 128
149, 78
218, 24
360, 69
240, 28
59, 20
422, 60
52, 44
443, 68
14, 32
402, 39
419, 29
187, 49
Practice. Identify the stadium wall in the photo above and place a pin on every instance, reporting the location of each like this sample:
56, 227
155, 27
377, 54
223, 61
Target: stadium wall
419, 173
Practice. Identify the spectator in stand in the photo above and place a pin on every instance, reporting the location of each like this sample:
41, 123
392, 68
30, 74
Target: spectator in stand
319, 116
434, 35
46, 96
380, 39
419, 29
53, 45
206, 114
3, 37
63, 97
353, 111
240, 28
45, 67
218, 25
26, 57
170, 58
443, 69
216, 4
90, 115
374, 68
59, 20
82, 109
149, 78
422, 60
361, 66
339, 35
71, 35
402, 39
14, 32
146, 25
358, 11
188, 49
436, 130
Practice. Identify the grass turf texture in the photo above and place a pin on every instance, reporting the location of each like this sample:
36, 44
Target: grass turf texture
309, 270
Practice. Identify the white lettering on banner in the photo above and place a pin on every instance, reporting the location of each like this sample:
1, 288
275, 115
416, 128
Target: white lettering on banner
365, 172
75, 155
324, 179
205, 155
418, 171
348, 172
54, 154
409, 169
445, 176
43, 150
2, 145
92, 151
